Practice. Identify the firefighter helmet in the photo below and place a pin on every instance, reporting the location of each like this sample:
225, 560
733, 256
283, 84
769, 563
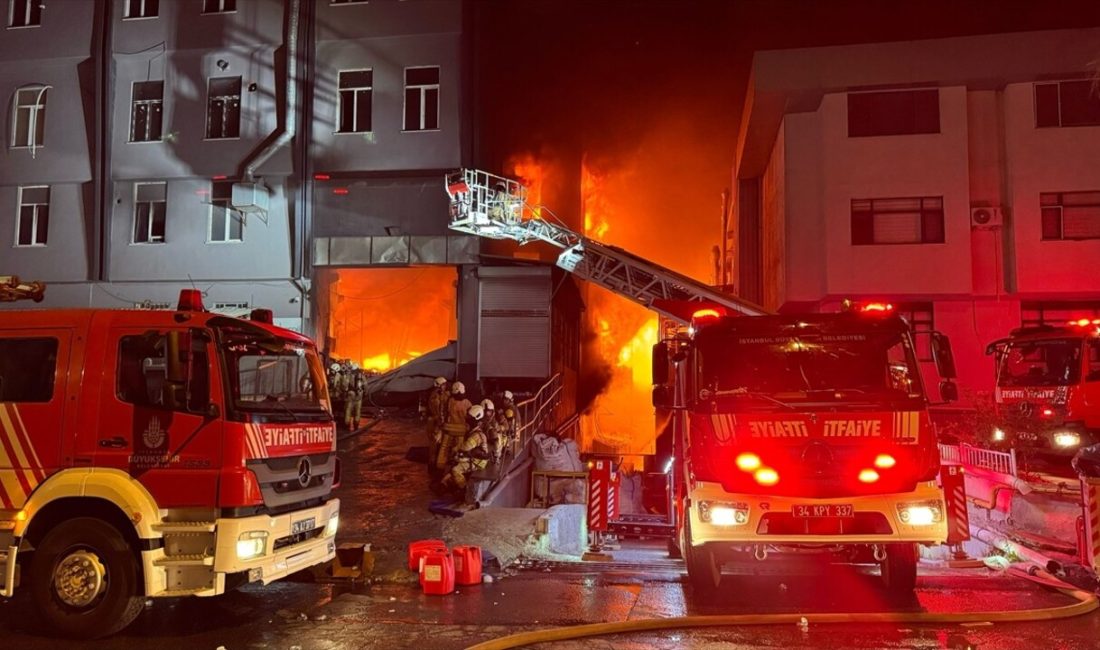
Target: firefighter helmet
476, 412
439, 381
508, 395
458, 388
487, 404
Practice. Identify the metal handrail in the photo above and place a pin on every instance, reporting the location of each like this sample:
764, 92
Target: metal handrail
1003, 462
532, 413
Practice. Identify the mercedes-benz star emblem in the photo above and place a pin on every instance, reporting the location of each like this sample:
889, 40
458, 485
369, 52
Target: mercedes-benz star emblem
1026, 408
304, 472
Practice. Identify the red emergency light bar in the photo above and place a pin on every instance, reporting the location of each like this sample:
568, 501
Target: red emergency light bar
876, 308
321, 177
262, 316
190, 300
220, 177
340, 191
1084, 322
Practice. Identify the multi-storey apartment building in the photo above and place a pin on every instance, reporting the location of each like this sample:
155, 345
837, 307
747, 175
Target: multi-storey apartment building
955, 177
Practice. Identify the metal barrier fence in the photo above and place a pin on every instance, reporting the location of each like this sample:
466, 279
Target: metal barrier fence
1003, 462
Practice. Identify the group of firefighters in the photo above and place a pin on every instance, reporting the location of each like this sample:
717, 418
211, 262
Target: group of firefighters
347, 383
463, 436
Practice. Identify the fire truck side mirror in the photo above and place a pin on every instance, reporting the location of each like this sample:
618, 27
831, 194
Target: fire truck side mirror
941, 354
949, 392
660, 365
662, 396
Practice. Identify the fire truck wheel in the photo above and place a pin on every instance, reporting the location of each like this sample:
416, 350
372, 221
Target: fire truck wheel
85, 580
899, 569
704, 572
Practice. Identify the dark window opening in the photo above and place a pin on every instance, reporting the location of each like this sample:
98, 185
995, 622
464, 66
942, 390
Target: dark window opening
143, 372
27, 369
223, 114
899, 112
1070, 215
1067, 103
917, 220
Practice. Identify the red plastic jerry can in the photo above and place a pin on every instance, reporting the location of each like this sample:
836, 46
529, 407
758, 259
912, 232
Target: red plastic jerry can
467, 565
437, 573
417, 550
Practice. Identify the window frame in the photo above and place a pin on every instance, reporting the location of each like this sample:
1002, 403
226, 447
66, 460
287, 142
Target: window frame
1061, 208
913, 312
126, 10
21, 341
27, 13
423, 88
1058, 97
37, 115
149, 241
209, 106
217, 12
355, 91
917, 127
921, 210
230, 211
149, 103
1037, 309
35, 218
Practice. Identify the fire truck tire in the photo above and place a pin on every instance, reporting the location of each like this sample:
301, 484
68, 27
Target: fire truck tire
85, 580
899, 569
704, 573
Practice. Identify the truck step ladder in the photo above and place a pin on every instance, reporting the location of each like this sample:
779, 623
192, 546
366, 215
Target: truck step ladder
495, 207
8, 551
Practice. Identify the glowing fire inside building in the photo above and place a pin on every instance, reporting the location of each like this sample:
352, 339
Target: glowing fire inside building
383, 318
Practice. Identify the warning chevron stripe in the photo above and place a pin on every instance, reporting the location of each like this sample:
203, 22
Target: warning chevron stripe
14, 483
25, 437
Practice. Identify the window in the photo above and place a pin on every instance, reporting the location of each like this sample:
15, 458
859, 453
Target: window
355, 101
919, 317
226, 224
897, 112
1094, 361
29, 117
1067, 103
140, 9
421, 99
34, 215
223, 110
150, 207
147, 111
27, 368
1057, 312
25, 13
143, 372
1070, 215
219, 6
897, 221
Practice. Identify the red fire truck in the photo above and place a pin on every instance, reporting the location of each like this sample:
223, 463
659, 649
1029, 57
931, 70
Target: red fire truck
156, 454
802, 437
1047, 397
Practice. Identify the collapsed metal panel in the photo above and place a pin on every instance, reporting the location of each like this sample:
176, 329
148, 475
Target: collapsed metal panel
514, 327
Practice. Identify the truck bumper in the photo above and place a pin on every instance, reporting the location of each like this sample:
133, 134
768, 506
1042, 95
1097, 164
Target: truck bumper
292, 541
771, 519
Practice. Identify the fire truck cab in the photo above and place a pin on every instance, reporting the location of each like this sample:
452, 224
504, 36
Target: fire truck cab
802, 437
1047, 394
155, 454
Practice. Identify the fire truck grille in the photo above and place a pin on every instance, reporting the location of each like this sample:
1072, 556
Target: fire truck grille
291, 540
863, 523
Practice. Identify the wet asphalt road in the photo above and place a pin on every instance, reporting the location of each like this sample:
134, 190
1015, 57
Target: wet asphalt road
384, 503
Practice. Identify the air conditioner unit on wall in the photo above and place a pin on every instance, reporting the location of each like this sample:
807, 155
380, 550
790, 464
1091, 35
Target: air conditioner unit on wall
986, 218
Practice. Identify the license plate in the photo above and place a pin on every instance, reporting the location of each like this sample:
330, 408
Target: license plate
823, 510
303, 526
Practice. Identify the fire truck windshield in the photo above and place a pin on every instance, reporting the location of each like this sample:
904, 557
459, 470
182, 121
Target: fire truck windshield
809, 367
1048, 362
271, 374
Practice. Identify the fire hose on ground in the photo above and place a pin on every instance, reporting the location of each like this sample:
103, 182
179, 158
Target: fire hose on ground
1086, 602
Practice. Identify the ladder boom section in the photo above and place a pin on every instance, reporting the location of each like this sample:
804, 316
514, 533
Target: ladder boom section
492, 206
12, 289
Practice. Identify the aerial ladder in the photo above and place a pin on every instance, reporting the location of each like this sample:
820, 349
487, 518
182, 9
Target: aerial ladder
12, 289
495, 207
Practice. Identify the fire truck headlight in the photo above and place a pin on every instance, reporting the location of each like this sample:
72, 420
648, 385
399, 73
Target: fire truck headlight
251, 544
333, 524
1066, 439
998, 435
724, 514
921, 513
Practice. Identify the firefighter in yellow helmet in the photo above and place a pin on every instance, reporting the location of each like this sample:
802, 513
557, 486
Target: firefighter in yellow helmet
435, 415
454, 424
510, 415
472, 453
353, 394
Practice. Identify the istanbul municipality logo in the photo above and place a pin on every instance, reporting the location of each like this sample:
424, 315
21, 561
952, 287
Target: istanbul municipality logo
154, 434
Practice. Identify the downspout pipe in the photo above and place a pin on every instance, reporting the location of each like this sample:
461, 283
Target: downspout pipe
290, 119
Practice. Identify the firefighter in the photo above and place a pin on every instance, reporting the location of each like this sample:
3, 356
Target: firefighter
353, 396
472, 452
454, 424
510, 414
495, 429
434, 417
